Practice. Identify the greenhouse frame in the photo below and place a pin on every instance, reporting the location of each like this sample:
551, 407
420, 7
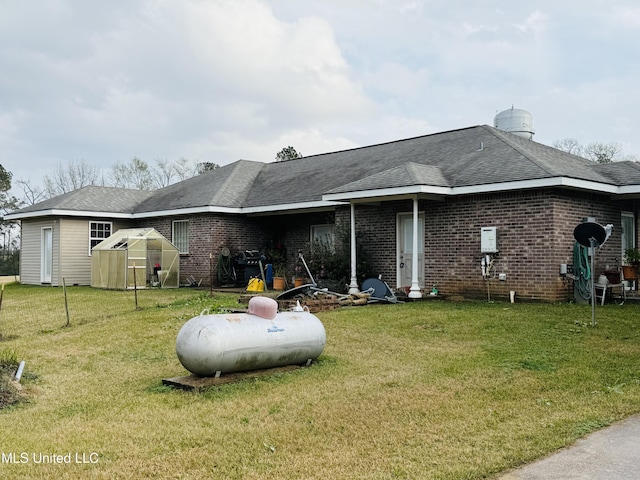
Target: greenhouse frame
135, 258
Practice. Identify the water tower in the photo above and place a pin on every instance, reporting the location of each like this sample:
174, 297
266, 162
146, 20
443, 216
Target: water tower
516, 121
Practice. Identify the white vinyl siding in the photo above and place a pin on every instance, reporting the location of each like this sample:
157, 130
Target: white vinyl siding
31, 251
71, 242
75, 241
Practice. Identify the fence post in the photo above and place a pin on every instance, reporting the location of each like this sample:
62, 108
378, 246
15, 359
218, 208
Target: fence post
66, 304
1, 295
135, 285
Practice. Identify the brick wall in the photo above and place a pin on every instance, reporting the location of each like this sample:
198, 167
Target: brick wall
293, 231
208, 234
534, 230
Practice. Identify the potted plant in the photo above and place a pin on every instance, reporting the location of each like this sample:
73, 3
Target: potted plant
279, 275
298, 279
276, 257
632, 260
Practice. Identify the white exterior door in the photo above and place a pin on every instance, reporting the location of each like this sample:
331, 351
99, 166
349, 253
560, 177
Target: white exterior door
405, 249
46, 255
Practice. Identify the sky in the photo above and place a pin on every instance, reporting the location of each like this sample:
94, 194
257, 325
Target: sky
222, 80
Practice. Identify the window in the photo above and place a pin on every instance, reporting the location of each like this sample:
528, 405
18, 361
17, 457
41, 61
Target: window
98, 231
322, 235
180, 235
628, 223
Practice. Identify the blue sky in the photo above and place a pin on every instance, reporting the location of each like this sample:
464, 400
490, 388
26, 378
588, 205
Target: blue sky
221, 80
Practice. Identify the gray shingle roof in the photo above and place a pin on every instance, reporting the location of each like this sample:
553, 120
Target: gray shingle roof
227, 186
400, 176
620, 173
470, 156
93, 199
480, 155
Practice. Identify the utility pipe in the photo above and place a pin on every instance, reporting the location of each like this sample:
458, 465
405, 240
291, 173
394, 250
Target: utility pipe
353, 286
18, 374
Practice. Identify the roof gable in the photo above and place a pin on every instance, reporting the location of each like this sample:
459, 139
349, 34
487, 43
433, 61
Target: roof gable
227, 186
400, 176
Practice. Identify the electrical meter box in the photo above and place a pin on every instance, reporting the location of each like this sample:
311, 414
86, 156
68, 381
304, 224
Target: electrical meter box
488, 240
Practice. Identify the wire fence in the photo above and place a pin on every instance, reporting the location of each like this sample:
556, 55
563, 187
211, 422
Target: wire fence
26, 309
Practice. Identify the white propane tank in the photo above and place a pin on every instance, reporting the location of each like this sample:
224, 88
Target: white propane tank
210, 345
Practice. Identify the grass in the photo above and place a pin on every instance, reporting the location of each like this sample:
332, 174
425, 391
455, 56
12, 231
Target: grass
419, 390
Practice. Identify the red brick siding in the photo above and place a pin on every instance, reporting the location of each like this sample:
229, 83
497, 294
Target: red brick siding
208, 234
534, 230
294, 232
535, 235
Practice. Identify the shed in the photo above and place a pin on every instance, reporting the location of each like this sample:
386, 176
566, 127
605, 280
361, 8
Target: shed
142, 254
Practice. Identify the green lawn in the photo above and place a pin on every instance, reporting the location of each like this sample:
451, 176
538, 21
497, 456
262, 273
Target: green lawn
436, 390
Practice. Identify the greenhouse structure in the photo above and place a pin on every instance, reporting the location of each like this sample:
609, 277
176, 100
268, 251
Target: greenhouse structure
135, 258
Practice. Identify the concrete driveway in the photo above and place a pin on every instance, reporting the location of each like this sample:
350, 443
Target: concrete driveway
612, 453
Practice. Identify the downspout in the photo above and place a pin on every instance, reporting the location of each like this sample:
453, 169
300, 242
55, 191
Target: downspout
415, 292
353, 286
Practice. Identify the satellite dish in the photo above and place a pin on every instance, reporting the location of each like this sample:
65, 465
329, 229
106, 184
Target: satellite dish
593, 235
589, 234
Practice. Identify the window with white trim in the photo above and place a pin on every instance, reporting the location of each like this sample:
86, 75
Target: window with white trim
98, 231
180, 235
628, 234
322, 235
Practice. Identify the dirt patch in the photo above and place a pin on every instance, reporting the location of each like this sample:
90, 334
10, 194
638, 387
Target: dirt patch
10, 391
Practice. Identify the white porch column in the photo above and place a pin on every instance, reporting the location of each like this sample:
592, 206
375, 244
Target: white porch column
353, 286
415, 292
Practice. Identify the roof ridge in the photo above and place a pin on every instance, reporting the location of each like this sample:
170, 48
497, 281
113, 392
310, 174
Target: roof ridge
504, 139
235, 172
390, 142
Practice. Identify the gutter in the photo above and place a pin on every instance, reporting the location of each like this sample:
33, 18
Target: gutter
330, 200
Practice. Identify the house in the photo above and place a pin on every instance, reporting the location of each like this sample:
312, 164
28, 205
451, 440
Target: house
422, 208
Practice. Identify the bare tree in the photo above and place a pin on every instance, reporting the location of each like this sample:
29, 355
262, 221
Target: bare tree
569, 145
31, 194
185, 168
166, 172
163, 174
603, 152
135, 174
69, 177
596, 151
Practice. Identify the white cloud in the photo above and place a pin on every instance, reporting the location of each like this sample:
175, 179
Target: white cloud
218, 80
535, 23
626, 17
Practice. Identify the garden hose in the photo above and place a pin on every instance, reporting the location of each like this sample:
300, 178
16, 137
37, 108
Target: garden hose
582, 271
225, 271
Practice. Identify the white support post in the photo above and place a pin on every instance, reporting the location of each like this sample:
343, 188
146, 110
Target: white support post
414, 291
353, 286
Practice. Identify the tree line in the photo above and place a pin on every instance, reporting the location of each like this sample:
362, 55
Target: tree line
598, 152
67, 177
136, 174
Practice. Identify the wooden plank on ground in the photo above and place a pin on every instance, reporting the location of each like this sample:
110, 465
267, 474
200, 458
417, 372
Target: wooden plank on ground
194, 382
